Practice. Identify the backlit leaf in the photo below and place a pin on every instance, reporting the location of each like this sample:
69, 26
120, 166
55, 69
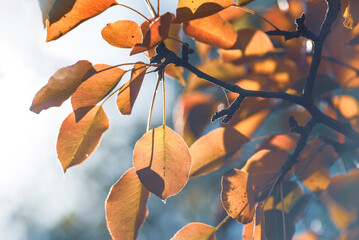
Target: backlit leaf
237, 195
125, 206
68, 14
157, 31
264, 166
162, 161
212, 30
209, 151
195, 231
61, 86
255, 230
313, 164
101, 82
349, 20
192, 113
282, 142
77, 140
190, 10
122, 34
252, 43
128, 93
250, 124
347, 105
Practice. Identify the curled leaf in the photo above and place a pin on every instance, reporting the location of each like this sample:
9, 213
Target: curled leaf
237, 195
61, 86
349, 20
100, 83
128, 92
77, 140
125, 206
66, 15
162, 161
195, 231
122, 34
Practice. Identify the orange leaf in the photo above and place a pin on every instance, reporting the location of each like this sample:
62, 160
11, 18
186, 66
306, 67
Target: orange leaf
128, 93
192, 113
45, 6
212, 30
66, 15
162, 161
125, 206
253, 43
195, 231
307, 236
282, 142
259, 229
313, 164
347, 105
209, 151
122, 34
237, 195
189, 9
264, 166
77, 140
157, 32
60, 86
101, 82
349, 20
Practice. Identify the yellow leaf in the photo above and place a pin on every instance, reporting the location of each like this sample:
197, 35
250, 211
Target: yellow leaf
128, 93
77, 140
189, 10
122, 34
237, 195
162, 161
100, 83
61, 86
195, 231
209, 152
125, 206
65, 15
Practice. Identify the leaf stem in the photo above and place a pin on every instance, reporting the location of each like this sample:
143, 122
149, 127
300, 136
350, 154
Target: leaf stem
260, 17
158, 7
151, 9
223, 222
283, 217
122, 5
152, 103
164, 99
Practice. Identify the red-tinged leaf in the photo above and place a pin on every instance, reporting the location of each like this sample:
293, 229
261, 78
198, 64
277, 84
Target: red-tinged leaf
282, 142
227, 72
101, 82
162, 161
122, 34
212, 30
125, 206
189, 10
232, 13
128, 93
77, 140
252, 43
66, 15
307, 236
195, 231
237, 195
209, 152
61, 86
248, 229
157, 31
264, 166
192, 113
274, 225
313, 164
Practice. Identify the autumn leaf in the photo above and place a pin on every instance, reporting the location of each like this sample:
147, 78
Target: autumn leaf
77, 140
122, 34
237, 195
101, 82
195, 231
45, 6
255, 230
282, 142
212, 30
128, 92
349, 20
157, 32
125, 206
189, 10
162, 161
66, 15
347, 105
61, 86
209, 151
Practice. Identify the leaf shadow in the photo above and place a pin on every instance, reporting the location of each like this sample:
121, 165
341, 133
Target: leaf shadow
151, 180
